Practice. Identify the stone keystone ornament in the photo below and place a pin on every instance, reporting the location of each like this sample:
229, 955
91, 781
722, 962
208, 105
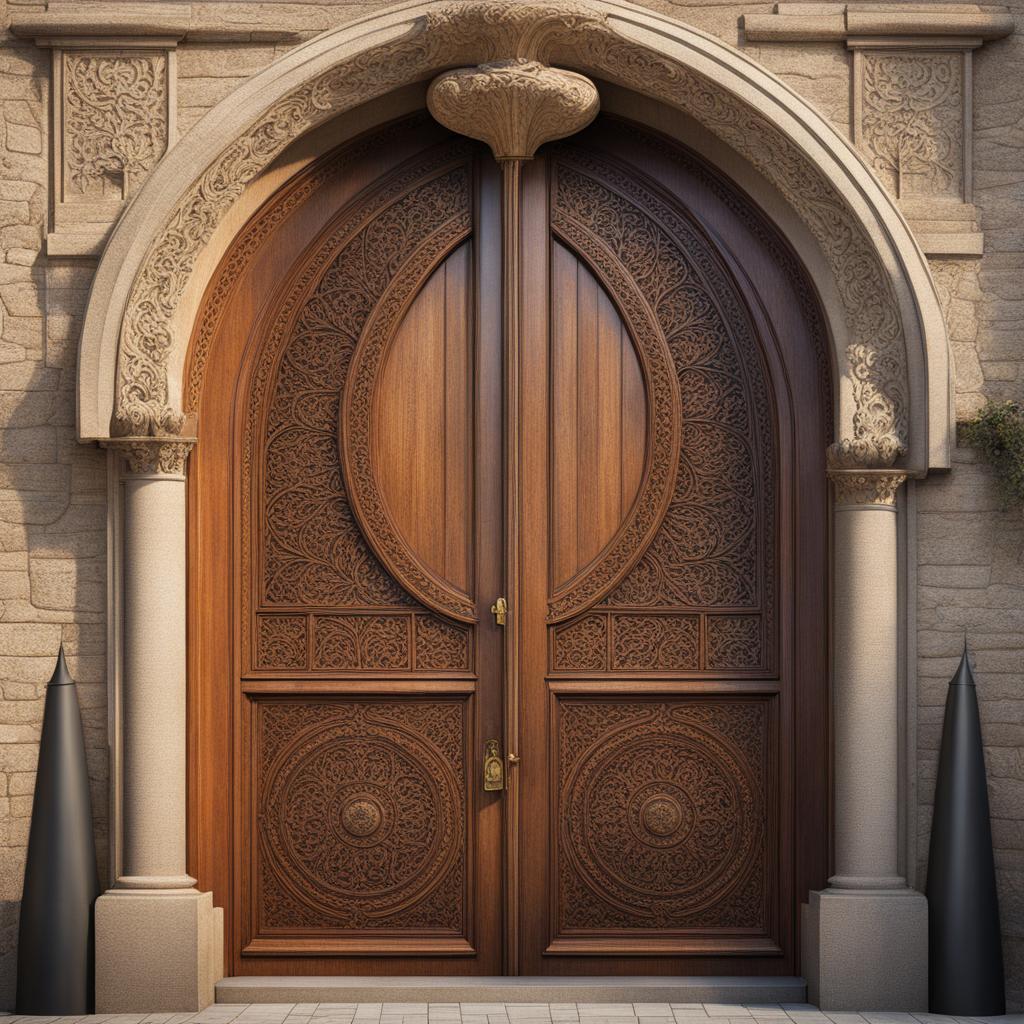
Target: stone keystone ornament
965, 949
55, 937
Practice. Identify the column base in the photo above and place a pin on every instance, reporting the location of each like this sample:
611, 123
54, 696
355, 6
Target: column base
866, 949
157, 950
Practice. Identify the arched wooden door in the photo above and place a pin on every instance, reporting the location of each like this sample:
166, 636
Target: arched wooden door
352, 499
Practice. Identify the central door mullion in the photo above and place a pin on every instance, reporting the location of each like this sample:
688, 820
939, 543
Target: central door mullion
511, 230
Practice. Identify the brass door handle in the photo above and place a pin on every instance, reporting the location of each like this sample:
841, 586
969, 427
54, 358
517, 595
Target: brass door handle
500, 611
494, 769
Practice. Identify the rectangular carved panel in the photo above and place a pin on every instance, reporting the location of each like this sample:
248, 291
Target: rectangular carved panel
911, 118
359, 829
663, 819
648, 642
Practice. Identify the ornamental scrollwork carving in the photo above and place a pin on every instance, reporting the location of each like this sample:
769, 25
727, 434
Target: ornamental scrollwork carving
553, 33
912, 121
661, 812
114, 121
867, 487
515, 106
361, 822
162, 456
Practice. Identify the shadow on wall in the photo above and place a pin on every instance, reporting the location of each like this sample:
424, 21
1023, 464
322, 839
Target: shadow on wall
53, 515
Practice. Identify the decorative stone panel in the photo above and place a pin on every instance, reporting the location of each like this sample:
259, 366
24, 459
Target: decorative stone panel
912, 123
912, 81
113, 118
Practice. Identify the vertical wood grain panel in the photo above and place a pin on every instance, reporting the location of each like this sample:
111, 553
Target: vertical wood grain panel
564, 414
598, 415
458, 427
422, 423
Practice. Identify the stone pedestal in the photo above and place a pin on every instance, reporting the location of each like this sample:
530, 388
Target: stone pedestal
159, 942
865, 938
157, 950
866, 949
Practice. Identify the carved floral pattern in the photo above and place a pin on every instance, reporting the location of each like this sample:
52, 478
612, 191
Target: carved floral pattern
714, 545
441, 644
733, 641
912, 121
361, 825
467, 33
114, 121
656, 643
367, 642
581, 645
281, 641
314, 551
662, 812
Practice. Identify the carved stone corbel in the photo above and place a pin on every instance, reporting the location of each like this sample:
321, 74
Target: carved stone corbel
513, 105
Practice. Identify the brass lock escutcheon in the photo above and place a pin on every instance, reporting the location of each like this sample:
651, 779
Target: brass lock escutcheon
500, 611
494, 769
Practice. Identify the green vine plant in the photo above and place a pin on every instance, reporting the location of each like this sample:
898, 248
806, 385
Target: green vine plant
997, 432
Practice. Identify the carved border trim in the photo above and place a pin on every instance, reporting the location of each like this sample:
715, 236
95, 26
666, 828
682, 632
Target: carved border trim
560, 32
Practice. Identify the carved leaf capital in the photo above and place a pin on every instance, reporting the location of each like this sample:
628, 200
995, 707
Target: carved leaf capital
148, 456
866, 487
515, 105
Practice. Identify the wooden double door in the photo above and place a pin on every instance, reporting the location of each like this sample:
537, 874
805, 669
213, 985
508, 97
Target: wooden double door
630, 774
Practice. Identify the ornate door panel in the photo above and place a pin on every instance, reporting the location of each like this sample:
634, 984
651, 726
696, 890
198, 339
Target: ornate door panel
656, 594
368, 490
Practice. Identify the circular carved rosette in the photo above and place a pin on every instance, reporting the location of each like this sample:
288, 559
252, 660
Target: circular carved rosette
661, 814
360, 820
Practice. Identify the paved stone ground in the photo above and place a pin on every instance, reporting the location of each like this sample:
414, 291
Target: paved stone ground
513, 1013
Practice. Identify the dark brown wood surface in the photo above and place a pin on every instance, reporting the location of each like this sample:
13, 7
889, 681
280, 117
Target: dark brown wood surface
349, 529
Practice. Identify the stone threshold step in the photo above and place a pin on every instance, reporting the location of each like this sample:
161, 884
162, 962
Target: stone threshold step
512, 990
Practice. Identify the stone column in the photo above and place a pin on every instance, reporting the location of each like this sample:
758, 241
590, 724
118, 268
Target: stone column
865, 937
159, 942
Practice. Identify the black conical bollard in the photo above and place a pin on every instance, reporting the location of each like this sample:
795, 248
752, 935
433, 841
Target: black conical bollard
55, 937
965, 949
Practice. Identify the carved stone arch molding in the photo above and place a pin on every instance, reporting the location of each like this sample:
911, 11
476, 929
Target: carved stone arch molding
893, 398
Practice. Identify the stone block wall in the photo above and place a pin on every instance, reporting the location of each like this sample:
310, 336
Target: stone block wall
53, 514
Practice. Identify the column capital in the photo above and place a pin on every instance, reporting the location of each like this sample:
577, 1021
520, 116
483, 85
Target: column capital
867, 486
153, 456
862, 471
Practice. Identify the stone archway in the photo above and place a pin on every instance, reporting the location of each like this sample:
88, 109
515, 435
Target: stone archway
892, 409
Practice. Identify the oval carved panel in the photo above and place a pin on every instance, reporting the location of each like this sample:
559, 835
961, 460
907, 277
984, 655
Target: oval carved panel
421, 431
711, 551
306, 543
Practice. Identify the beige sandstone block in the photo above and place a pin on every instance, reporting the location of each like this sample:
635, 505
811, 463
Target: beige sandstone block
157, 952
23, 138
29, 638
